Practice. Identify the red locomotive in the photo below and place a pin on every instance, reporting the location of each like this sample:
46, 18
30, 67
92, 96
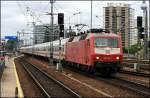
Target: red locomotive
92, 51
102, 52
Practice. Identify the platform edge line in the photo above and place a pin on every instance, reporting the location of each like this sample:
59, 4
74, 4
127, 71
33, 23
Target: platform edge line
20, 92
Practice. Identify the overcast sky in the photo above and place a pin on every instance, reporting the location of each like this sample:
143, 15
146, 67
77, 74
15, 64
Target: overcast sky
15, 17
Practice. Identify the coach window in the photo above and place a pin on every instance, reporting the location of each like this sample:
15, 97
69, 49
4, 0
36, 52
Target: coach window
71, 39
62, 47
54, 48
83, 37
57, 48
44, 49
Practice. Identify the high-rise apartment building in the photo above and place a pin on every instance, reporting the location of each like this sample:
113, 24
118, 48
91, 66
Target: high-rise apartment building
119, 18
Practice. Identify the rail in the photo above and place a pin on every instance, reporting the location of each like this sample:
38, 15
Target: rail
49, 86
135, 73
137, 88
132, 86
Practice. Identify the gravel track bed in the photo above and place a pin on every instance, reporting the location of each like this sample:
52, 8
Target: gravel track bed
52, 88
28, 86
121, 83
135, 60
82, 90
91, 82
137, 79
130, 68
143, 68
135, 73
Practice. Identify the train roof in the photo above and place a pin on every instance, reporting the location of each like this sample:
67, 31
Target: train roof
73, 39
105, 34
88, 35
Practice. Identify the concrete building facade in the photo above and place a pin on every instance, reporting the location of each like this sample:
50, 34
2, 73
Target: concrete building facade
119, 18
134, 33
43, 33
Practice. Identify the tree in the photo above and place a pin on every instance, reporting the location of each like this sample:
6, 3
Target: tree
133, 49
125, 50
11, 45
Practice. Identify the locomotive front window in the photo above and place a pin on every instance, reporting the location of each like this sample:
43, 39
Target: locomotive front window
106, 42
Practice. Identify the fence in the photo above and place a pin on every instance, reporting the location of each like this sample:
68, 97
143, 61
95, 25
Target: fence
2, 63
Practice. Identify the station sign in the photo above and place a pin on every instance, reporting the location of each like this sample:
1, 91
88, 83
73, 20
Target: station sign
11, 38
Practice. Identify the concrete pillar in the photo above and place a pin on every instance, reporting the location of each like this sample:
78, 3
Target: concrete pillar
136, 67
59, 67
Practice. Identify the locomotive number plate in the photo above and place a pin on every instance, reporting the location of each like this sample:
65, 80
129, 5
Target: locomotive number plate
108, 51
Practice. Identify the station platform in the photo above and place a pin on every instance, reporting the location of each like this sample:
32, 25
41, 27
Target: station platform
10, 85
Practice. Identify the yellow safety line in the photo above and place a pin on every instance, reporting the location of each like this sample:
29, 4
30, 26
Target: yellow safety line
20, 92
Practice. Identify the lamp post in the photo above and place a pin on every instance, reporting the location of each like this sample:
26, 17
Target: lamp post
70, 18
74, 14
91, 16
51, 36
98, 17
18, 41
32, 44
144, 8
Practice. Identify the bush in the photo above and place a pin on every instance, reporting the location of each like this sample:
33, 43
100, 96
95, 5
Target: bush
133, 49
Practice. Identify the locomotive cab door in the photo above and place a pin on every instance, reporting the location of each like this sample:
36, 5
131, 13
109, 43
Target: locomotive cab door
87, 51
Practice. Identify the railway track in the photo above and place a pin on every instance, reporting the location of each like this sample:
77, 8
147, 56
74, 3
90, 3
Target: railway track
135, 73
135, 60
131, 65
47, 84
121, 83
125, 84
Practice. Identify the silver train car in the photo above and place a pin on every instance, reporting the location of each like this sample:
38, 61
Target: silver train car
44, 49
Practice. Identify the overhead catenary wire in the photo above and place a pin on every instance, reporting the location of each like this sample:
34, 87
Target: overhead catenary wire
44, 9
21, 10
37, 13
24, 14
70, 12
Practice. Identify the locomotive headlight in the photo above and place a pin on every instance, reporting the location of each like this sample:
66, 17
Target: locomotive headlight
117, 57
97, 57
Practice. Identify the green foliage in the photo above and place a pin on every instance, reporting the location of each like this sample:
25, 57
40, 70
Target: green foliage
133, 49
11, 45
125, 50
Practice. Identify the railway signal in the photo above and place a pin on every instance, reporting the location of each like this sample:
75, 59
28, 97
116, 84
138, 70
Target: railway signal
140, 28
60, 18
61, 23
141, 33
